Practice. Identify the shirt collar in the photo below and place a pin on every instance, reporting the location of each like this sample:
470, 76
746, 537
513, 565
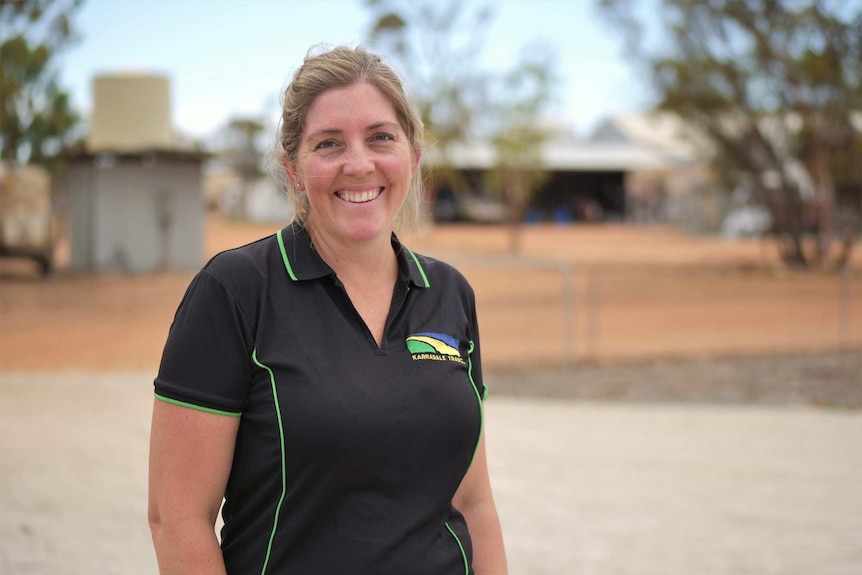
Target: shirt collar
302, 262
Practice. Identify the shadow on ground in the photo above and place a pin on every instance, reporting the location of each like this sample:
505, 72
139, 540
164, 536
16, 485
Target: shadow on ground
822, 380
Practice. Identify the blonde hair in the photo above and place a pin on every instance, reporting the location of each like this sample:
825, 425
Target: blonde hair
336, 68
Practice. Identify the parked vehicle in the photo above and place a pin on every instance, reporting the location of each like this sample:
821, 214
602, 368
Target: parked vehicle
25, 214
469, 208
746, 221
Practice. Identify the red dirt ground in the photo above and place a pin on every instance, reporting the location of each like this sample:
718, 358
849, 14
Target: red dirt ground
578, 293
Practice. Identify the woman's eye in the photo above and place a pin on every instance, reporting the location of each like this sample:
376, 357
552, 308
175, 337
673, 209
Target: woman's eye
324, 145
382, 137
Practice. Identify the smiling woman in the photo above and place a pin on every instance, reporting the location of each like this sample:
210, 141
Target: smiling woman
354, 166
326, 382
363, 74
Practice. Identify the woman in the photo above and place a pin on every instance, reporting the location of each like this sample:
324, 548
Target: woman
326, 381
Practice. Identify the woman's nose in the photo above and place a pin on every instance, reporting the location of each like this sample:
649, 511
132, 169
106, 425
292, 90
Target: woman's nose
358, 162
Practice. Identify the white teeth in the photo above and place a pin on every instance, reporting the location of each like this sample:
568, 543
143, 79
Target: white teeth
359, 197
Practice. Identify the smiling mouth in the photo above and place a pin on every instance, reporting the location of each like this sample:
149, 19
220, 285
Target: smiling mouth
360, 197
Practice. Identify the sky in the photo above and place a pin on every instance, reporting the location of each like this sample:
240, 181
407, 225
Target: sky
229, 58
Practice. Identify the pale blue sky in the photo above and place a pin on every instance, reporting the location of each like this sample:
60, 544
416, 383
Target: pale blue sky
232, 57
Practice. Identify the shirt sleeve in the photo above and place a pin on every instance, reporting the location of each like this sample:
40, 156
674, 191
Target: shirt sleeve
476, 352
206, 362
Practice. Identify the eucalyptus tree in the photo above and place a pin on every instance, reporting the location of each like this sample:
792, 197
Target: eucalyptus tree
518, 135
437, 46
775, 86
37, 118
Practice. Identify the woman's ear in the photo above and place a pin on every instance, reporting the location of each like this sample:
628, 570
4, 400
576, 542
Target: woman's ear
290, 171
417, 156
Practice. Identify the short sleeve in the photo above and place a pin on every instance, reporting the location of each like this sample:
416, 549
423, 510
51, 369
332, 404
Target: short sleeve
206, 362
476, 352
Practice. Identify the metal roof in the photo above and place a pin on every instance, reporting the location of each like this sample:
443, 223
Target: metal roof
563, 156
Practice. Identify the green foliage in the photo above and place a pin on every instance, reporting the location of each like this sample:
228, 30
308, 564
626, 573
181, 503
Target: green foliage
36, 115
773, 85
437, 46
518, 137
243, 152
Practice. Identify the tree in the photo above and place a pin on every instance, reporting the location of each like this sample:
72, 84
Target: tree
773, 86
36, 115
242, 152
438, 46
518, 137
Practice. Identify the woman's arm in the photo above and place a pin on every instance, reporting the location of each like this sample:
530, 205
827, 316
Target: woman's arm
190, 458
476, 502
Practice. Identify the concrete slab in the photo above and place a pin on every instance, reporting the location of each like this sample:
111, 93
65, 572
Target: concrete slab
582, 488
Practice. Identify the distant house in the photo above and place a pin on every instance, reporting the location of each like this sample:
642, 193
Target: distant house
134, 195
684, 190
662, 132
690, 193
135, 211
588, 180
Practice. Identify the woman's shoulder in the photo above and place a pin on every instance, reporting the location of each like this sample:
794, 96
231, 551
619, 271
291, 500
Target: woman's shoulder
243, 266
441, 273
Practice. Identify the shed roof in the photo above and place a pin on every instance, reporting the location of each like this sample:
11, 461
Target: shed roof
658, 131
82, 155
562, 155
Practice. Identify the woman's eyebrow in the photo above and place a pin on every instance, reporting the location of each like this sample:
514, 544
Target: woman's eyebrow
336, 131
325, 132
377, 125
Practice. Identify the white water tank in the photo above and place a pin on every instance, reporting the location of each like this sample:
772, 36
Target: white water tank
131, 113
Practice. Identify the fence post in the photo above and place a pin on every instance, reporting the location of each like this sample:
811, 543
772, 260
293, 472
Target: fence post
593, 308
569, 352
844, 309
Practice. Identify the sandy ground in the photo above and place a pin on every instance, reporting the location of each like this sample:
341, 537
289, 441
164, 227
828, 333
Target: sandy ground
689, 433
581, 487
574, 294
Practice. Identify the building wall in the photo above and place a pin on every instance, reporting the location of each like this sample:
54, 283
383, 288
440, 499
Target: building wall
135, 216
79, 198
585, 196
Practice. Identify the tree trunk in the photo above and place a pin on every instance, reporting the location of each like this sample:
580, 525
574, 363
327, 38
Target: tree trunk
787, 229
515, 198
825, 187
847, 243
793, 224
794, 251
515, 239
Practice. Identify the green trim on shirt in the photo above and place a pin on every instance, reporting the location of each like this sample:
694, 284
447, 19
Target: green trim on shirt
418, 265
198, 407
283, 464
461, 547
479, 397
284, 256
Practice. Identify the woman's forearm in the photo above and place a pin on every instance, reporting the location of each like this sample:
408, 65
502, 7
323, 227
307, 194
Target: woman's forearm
186, 485
187, 548
489, 555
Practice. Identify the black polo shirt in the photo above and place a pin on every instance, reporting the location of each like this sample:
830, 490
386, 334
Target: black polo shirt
348, 454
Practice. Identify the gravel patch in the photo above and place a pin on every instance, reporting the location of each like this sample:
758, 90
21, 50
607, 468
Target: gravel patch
825, 380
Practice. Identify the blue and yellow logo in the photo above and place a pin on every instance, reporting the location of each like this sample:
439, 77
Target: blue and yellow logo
434, 346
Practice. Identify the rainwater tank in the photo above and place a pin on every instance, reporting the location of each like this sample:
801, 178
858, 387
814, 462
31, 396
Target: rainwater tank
131, 113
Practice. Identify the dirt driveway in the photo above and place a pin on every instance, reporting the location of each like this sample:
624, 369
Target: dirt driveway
704, 455
575, 294
582, 487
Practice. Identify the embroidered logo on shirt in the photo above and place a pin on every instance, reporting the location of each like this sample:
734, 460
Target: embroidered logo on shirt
434, 346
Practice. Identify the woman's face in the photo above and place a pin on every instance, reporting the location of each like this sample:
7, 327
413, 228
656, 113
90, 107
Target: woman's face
355, 164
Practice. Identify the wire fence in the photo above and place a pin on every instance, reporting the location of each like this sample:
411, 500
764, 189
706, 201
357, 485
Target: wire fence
548, 313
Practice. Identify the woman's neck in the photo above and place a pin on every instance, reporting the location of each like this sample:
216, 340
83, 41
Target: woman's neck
358, 261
